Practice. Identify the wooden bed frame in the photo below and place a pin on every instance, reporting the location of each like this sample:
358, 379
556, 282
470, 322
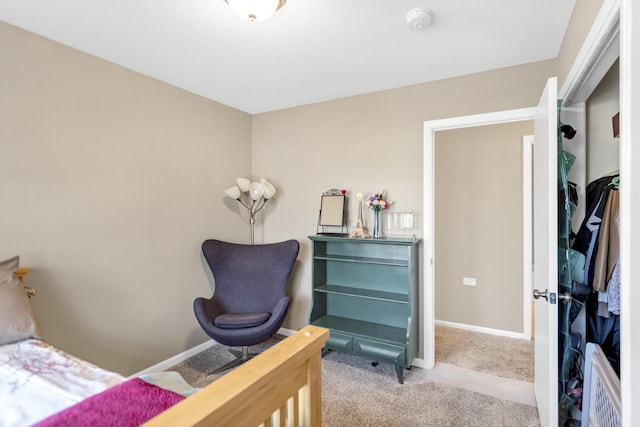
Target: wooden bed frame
279, 387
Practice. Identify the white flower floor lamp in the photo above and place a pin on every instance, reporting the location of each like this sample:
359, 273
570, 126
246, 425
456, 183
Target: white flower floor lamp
253, 196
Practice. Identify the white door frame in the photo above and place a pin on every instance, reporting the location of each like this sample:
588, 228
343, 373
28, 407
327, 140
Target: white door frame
527, 232
428, 273
629, 210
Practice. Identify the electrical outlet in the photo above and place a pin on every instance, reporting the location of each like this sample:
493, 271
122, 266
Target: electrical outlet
469, 281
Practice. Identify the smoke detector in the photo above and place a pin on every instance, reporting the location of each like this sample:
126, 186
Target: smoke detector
419, 18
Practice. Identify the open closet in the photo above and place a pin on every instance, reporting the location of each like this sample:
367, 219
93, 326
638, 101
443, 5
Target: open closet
588, 230
600, 50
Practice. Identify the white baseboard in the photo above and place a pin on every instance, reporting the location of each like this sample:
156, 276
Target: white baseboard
174, 360
418, 363
178, 358
482, 329
286, 332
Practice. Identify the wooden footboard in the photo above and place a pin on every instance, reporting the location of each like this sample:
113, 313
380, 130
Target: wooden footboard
279, 387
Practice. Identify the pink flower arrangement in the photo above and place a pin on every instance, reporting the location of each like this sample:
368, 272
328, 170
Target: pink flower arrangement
377, 203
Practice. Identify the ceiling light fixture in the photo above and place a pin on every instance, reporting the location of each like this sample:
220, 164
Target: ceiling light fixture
255, 10
419, 18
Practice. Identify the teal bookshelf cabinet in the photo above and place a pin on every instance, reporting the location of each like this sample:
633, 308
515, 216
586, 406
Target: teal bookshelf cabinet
365, 291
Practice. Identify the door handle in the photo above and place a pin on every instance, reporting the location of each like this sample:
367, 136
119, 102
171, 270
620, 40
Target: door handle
541, 294
551, 296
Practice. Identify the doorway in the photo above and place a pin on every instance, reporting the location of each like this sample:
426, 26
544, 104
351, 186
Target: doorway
430, 129
482, 228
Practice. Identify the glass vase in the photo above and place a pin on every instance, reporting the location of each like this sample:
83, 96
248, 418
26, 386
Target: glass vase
376, 234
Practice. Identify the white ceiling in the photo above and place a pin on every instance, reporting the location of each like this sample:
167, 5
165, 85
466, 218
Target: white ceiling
309, 51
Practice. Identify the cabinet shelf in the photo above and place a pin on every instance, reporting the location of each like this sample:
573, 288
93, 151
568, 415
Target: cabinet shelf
364, 293
364, 329
365, 260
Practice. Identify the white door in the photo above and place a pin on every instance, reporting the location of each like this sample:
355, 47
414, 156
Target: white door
545, 241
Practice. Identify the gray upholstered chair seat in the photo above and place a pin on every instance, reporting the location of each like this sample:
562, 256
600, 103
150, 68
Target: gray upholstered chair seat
240, 320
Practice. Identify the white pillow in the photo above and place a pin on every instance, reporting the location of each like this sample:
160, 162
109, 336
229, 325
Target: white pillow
17, 319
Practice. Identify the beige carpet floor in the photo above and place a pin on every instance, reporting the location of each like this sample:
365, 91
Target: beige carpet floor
355, 393
491, 354
358, 394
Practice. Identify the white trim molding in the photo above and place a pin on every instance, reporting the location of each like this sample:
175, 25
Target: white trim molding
483, 330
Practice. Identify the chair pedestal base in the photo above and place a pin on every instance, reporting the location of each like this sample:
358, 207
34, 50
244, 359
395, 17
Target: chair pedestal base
240, 358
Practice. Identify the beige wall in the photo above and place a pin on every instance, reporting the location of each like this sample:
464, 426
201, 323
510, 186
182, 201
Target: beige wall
368, 143
114, 179
603, 149
478, 223
372, 142
110, 181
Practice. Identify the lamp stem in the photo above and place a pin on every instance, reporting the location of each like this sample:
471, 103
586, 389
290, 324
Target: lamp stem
253, 208
258, 205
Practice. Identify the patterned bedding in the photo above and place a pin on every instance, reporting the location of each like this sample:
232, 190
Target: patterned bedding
37, 380
128, 404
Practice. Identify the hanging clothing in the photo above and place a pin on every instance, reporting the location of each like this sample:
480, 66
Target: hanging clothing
608, 243
586, 241
604, 331
599, 240
614, 290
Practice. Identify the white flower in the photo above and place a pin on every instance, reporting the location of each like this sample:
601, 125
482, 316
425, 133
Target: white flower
233, 192
256, 190
269, 189
243, 184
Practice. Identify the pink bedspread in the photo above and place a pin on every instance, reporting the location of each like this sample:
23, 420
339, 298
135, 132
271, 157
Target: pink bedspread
130, 403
